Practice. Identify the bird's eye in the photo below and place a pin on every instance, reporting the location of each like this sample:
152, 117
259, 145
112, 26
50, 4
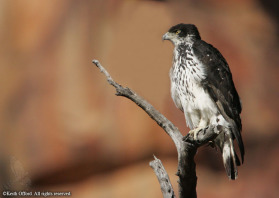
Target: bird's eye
177, 31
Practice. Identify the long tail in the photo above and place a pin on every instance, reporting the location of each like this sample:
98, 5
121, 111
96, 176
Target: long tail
230, 159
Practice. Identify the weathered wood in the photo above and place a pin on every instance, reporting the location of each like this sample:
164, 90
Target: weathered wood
186, 146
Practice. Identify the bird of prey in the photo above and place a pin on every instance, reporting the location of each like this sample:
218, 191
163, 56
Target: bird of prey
202, 87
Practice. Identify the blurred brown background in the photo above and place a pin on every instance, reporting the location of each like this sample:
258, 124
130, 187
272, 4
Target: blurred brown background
67, 130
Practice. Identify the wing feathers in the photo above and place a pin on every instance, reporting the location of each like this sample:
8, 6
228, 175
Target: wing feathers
219, 84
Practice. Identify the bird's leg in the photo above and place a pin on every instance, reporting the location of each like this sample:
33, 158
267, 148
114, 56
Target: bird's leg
192, 135
194, 132
202, 124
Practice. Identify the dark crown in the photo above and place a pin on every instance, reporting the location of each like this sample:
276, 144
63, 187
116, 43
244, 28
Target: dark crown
186, 29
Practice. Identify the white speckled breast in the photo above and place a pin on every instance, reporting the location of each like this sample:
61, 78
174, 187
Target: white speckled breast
187, 93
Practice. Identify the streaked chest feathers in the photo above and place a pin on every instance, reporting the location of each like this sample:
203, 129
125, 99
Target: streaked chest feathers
186, 73
187, 92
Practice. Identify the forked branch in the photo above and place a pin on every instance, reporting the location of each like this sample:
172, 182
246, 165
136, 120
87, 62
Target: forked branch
186, 146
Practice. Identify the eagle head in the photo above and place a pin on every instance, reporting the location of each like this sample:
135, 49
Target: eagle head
182, 33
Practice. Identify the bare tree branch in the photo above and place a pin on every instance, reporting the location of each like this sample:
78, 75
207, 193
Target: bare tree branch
161, 120
163, 178
186, 146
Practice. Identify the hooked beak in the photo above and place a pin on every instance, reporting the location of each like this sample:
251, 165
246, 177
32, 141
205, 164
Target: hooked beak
166, 36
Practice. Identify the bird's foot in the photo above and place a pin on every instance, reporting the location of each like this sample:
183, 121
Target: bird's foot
194, 132
192, 135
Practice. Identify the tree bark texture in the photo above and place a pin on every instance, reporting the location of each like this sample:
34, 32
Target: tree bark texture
186, 146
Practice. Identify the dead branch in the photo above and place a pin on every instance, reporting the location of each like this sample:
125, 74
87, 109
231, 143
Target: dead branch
163, 178
186, 146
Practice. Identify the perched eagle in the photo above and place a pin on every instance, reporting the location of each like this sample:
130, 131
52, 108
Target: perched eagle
202, 87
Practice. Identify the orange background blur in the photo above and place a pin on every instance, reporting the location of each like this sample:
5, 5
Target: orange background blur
67, 130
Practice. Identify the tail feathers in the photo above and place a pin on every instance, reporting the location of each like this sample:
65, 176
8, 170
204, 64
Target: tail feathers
236, 133
230, 159
238, 163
